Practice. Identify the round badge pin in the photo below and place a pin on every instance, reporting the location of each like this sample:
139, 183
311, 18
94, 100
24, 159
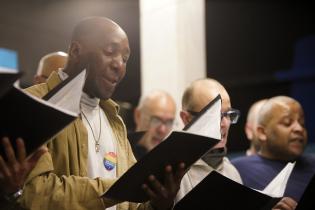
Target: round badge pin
110, 161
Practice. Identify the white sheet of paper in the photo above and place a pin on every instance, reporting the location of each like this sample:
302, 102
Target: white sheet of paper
277, 186
70, 95
209, 123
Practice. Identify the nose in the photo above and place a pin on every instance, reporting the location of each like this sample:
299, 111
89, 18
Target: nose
224, 122
298, 127
162, 129
118, 63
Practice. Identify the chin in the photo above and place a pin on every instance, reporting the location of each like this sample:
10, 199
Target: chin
296, 150
296, 153
291, 155
220, 144
104, 91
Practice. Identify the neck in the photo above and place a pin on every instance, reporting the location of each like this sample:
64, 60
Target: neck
278, 157
214, 157
88, 101
86, 90
70, 69
251, 150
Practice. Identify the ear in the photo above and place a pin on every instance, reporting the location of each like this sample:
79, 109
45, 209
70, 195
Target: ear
37, 79
136, 116
75, 50
248, 132
261, 133
185, 116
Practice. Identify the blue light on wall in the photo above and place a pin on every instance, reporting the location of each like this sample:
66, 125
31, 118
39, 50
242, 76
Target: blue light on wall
8, 60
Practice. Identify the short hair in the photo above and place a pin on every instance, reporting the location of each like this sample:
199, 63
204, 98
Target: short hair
152, 94
188, 98
254, 110
266, 111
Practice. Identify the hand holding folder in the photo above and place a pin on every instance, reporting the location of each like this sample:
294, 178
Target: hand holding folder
34, 119
37, 120
11, 180
180, 146
221, 193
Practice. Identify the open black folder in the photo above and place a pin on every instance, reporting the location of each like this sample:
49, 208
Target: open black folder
221, 193
6, 80
180, 146
34, 119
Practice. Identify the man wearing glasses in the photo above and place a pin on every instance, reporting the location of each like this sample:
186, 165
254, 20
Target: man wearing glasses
155, 114
195, 97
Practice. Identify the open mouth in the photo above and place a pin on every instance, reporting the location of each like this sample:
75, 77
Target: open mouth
297, 142
297, 139
111, 82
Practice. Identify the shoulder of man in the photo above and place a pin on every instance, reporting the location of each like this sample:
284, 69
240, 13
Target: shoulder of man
244, 159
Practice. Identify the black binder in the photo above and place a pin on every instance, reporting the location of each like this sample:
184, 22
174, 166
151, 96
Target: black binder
179, 146
31, 118
217, 192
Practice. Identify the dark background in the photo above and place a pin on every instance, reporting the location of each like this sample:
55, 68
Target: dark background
247, 42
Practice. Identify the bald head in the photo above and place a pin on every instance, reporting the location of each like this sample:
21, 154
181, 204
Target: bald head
49, 63
252, 116
251, 126
201, 92
155, 113
93, 28
158, 103
270, 107
156, 97
198, 95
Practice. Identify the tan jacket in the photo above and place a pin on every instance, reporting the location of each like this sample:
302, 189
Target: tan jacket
59, 180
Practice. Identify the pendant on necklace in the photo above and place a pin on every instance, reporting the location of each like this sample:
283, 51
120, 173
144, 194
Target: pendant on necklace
97, 147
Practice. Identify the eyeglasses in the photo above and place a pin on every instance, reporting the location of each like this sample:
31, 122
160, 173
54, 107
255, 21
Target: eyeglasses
156, 122
232, 115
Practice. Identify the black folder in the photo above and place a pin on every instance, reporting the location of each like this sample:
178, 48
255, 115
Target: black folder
31, 118
179, 146
135, 137
217, 192
6, 81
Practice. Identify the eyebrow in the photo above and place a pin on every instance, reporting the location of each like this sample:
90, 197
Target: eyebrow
116, 45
